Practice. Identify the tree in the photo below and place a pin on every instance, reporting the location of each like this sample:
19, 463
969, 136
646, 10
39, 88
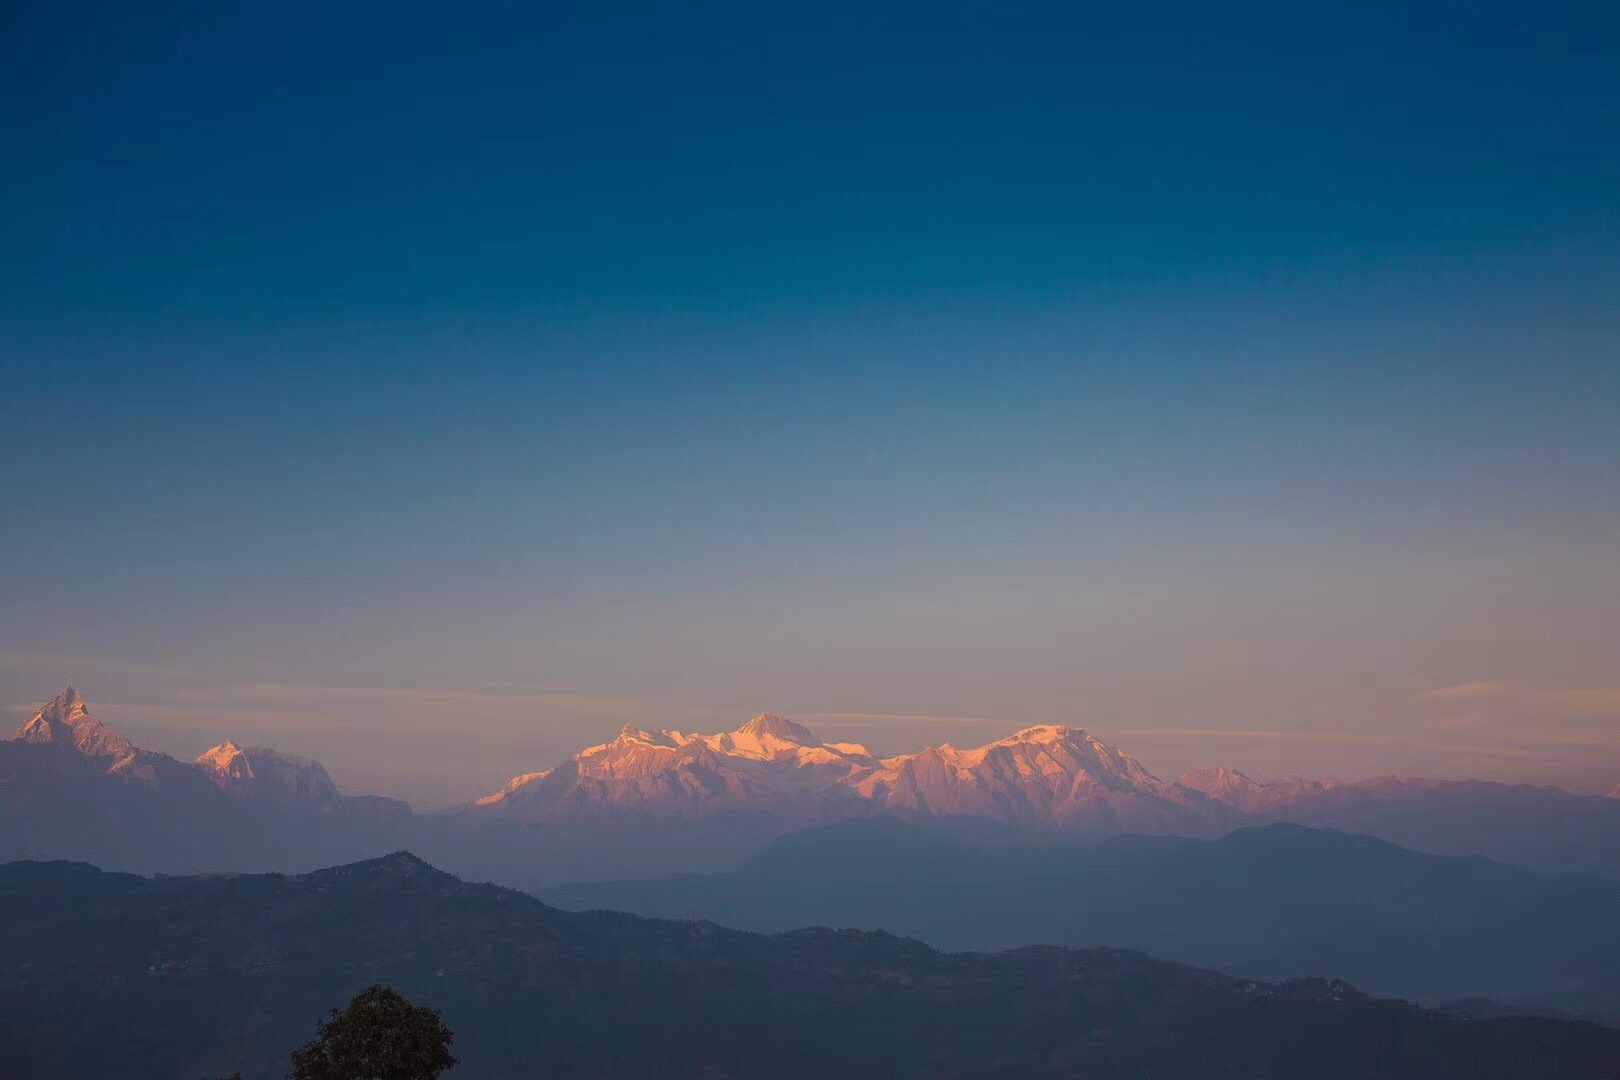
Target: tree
377, 1036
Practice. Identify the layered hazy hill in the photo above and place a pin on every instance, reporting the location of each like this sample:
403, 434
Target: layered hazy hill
1272, 902
1540, 827
202, 976
988, 847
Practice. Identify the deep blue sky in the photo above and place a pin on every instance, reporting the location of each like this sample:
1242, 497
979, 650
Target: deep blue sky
1226, 379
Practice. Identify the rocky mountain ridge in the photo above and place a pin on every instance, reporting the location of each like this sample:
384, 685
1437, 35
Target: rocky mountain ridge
1046, 775
664, 801
64, 725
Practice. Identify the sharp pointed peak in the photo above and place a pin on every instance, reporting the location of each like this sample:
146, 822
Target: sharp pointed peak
782, 728
64, 707
65, 720
221, 755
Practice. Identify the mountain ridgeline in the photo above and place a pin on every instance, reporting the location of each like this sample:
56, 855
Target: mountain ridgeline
65, 735
655, 802
107, 974
72, 787
1045, 839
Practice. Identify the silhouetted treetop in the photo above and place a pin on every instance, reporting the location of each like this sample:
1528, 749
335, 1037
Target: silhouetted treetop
378, 1035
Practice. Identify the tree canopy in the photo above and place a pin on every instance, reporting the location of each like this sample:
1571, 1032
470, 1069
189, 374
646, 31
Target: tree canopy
378, 1035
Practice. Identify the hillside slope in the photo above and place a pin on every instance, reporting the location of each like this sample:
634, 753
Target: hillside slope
114, 975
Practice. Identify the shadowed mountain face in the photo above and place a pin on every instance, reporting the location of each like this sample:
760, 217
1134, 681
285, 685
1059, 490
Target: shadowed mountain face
1275, 902
109, 974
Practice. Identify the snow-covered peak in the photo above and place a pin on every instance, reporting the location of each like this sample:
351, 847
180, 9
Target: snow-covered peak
1614, 792
1239, 790
220, 757
768, 737
519, 781
769, 756
65, 725
262, 772
769, 724
1045, 774
631, 734
1070, 751
64, 707
64, 721
1044, 733
1217, 781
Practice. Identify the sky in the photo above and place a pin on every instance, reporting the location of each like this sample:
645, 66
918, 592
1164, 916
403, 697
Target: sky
432, 389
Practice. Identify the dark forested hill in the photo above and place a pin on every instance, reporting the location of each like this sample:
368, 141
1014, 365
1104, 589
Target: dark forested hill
114, 975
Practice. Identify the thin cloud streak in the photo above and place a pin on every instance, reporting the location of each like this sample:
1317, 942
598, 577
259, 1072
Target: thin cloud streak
1470, 691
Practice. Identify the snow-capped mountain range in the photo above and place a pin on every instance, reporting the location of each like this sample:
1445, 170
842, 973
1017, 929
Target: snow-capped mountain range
1046, 778
778, 774
259, 773
1042, 776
